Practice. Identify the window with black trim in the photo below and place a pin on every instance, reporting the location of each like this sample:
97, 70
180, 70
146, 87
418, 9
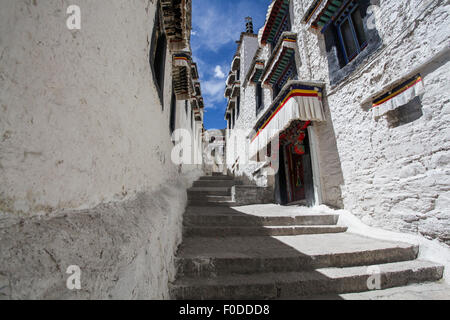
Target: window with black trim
233, 118
258, 96
351, 34
348, 39
158, 55
238, 107
173, 112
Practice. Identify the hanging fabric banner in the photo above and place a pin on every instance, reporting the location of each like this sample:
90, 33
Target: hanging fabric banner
399, 96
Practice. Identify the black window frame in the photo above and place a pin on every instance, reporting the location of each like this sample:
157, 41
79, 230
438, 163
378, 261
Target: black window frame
233, 118
158, 55
258, 97
173, 112
348, 17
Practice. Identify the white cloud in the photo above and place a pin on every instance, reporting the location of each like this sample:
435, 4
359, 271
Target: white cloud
218, 73
213, 92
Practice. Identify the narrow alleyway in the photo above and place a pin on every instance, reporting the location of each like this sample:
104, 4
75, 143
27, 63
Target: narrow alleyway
273, 252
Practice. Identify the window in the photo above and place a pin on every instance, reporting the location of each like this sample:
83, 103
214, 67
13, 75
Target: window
258, 95
186, 107
192, 118
351, 33
173, 112
238, 107
158, 55
233, 119
238, 74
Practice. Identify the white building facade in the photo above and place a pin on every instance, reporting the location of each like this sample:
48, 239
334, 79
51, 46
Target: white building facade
352, 98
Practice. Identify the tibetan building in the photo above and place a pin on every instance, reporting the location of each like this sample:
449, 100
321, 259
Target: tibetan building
340, 103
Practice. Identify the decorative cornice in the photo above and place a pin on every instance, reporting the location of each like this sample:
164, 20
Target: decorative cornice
235, 65
278, 62
182, 75
307, 88
177, 20
328, 12
236, 89
277, 10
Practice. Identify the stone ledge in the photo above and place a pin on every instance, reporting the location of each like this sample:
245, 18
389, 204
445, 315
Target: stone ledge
247, 195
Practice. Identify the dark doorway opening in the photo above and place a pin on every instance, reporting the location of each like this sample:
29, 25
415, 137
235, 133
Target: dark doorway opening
294, 181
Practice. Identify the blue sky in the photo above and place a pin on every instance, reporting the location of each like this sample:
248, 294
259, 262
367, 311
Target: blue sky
216, 26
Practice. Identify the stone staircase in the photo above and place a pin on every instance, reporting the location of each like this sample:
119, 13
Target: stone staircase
228, 253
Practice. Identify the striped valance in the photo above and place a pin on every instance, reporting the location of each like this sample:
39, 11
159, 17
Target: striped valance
398, 96
298, 101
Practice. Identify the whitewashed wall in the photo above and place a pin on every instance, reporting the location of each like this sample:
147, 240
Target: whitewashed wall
82, 128
395, 178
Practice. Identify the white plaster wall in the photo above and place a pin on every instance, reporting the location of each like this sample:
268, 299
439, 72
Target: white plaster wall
82, 127
397, 178
81, 120
237, 140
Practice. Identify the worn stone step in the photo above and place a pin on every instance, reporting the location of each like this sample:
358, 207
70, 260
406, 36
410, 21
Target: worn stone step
199, 256
216, 178
223, 231
298, 284
215, 183
210, 203
242, 220
209, 197
209, 191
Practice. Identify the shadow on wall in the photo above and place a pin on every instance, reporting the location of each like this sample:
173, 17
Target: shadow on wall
124, 250
332, 178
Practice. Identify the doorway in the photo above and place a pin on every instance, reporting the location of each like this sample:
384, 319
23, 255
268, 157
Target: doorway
296, 172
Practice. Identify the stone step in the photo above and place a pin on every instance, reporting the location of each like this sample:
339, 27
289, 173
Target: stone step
210, 203
215, 183
242, 220
215, 178
209, 197
297, 284
209, 191
220, 256
223, 231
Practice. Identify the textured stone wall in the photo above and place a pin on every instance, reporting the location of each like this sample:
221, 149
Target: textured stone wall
85, 153
396, 177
